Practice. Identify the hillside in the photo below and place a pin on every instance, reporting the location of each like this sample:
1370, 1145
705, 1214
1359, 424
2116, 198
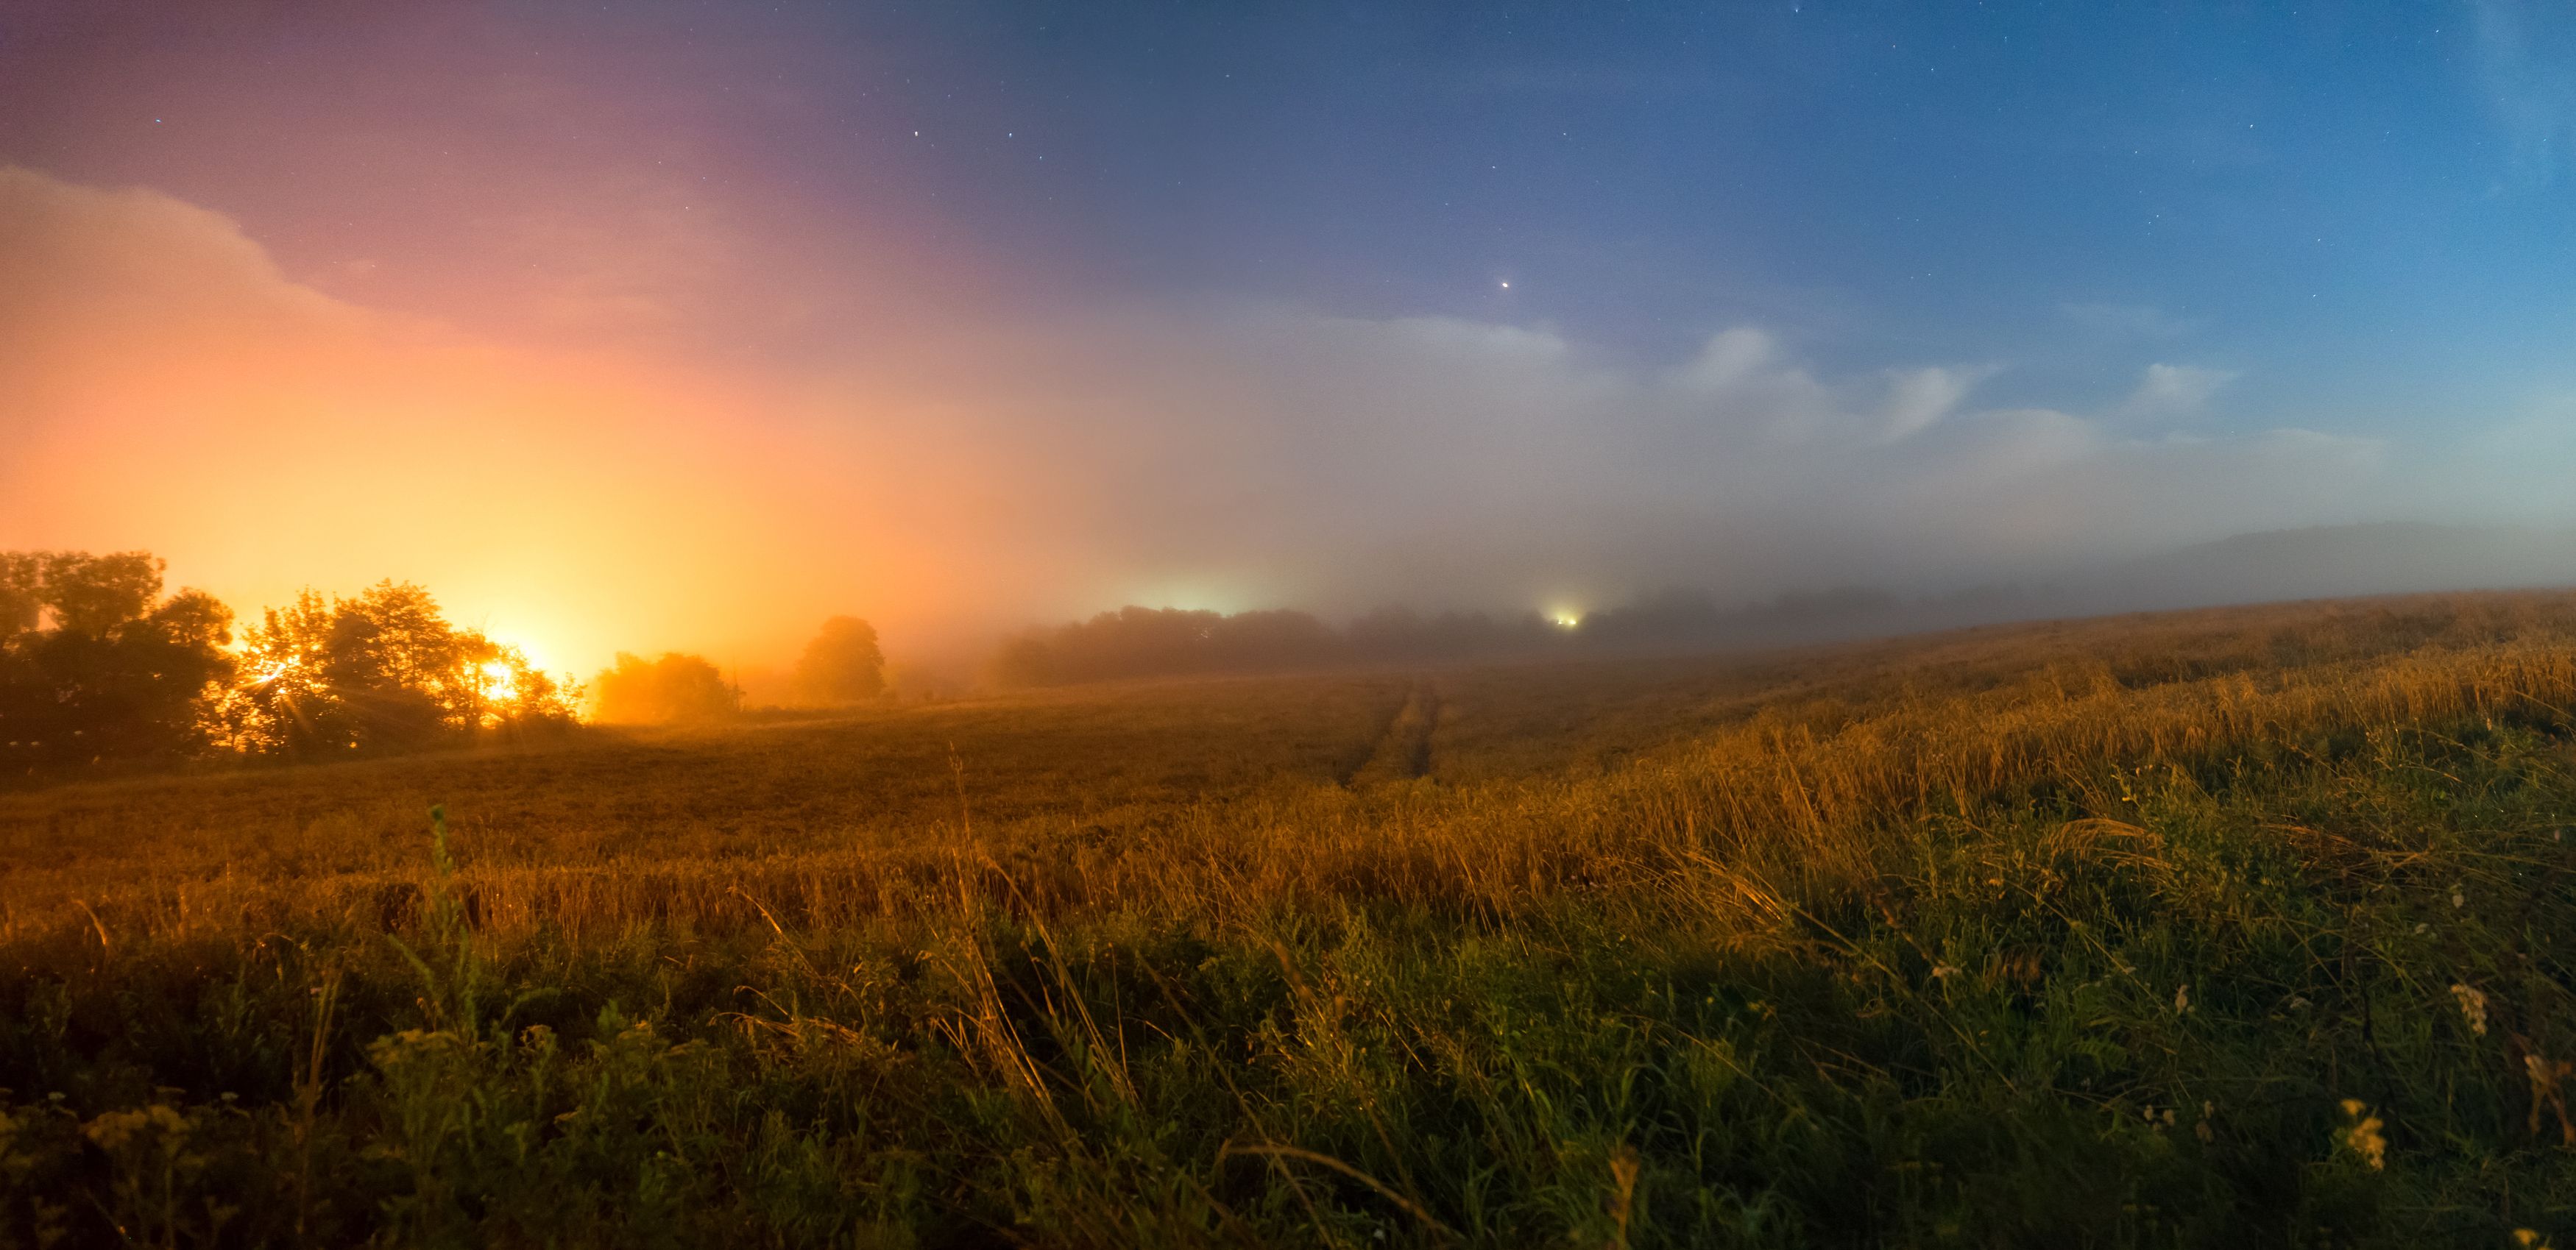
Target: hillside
2324, 561
2213, 927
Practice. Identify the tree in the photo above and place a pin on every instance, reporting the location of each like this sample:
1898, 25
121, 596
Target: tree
677, 688
22, 603
382, 671
95, 595
97, 668
842, 664
1151, 642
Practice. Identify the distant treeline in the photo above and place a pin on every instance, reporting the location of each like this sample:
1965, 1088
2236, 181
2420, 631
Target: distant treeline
1155, 642
99, 670
841, 667
1162, 642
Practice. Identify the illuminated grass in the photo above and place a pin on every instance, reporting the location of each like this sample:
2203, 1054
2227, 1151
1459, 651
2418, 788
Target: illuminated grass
2076, 934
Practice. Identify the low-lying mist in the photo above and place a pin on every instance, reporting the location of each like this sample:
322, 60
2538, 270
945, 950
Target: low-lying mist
967, 473
2283, 565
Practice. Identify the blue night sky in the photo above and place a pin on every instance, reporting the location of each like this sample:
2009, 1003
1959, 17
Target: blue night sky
2361, 210
1340, 303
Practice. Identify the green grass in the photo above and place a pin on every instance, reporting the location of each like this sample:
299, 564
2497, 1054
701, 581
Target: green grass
2232, 928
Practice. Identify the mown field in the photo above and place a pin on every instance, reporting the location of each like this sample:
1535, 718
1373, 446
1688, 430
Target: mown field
2248, 926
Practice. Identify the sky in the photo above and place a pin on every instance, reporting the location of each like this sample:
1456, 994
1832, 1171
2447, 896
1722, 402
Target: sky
660, 325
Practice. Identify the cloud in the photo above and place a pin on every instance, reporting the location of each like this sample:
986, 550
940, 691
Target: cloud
1387, 460
1918, 397
2169, 391
93, 272
171, 389
2527, 62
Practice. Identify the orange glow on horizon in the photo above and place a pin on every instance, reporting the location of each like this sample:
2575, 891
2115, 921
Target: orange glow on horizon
190, 400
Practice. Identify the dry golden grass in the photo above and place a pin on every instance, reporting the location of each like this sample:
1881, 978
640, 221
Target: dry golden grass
1732, 778
2230, 927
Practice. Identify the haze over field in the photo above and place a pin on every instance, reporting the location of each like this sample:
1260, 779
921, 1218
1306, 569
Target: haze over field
1118, 624
692, 328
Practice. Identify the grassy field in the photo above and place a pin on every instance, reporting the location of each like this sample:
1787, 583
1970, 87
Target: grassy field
2235, 927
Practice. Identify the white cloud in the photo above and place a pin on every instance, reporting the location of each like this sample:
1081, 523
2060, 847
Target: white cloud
2176, 390
1391, 465
1918, 397
1729, 359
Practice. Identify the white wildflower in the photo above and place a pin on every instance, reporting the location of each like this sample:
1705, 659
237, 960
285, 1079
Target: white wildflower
2473, 1007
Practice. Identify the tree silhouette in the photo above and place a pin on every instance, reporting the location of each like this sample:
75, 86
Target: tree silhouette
96, 668
22, 580
1141, 642
382, 671
1154, 642
842, 664
677, 688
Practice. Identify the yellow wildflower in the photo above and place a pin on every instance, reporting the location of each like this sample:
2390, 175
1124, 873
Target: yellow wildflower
2363, 1137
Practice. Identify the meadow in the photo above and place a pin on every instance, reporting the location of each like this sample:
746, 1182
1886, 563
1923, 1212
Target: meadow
2241, 926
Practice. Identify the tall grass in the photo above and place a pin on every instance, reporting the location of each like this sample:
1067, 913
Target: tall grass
2219, 929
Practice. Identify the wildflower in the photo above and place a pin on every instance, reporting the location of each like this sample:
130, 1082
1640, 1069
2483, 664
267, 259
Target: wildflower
2201, 1129
2458, 898
1944, 972
2473, 1006
2526, 1237
114, 1129
2363, 1136
2422, 929
2182, 998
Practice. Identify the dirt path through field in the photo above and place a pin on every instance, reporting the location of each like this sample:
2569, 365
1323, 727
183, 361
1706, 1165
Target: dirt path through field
1403, 751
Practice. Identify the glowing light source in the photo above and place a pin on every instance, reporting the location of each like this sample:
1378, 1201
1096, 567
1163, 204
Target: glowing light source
1564, 618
